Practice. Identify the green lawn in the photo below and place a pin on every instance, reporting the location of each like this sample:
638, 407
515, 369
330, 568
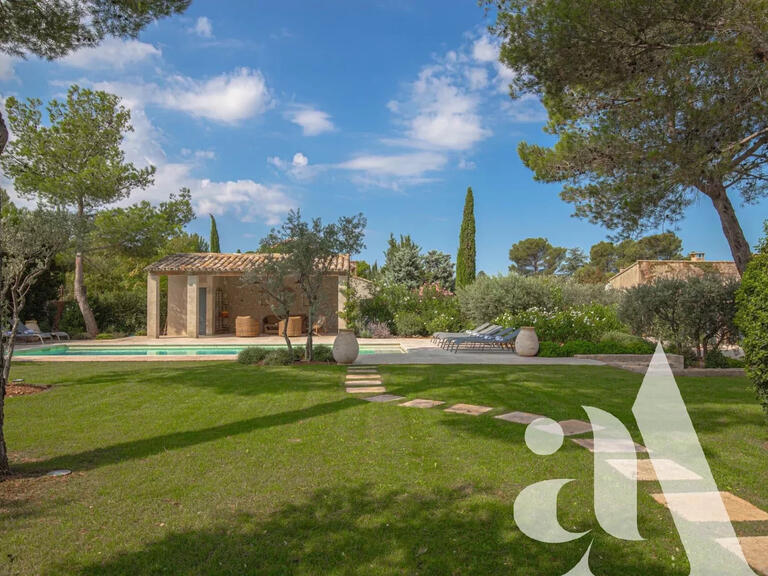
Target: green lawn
217, 468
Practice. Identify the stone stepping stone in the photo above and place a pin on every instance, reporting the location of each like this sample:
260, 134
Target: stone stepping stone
568, 427
705, 507
519, 417
367, 390
652, 470
469, 409
363, 383
384, 398
611, 446
755, 549
422, 403
362, 376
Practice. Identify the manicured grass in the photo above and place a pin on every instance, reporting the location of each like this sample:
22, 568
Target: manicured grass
217, 468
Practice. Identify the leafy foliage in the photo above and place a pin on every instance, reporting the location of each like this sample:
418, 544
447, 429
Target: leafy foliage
437, 269
536, 256
53, 28
652, 103
696, 314
573, 347
752, 319
215, 247
588, 323
403, 264
466, 256
490, 296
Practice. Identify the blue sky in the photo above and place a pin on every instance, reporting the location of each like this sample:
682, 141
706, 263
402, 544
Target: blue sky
387, 107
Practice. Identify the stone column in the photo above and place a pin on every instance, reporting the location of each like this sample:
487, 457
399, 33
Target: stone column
153, 306
342, 301
193, 309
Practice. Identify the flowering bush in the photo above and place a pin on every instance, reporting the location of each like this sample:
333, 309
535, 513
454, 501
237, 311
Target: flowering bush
586, 323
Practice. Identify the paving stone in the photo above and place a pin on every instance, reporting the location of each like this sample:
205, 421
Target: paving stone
361, 370
384, 398
569, 427
704, 507
422, 403
755, 549
363, 383
469, 409
367, 390
362, 376
611, 446
661, 469
519, 417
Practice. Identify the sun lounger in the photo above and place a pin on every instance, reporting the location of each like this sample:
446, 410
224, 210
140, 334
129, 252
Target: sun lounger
441, 335
492, 330
502, 340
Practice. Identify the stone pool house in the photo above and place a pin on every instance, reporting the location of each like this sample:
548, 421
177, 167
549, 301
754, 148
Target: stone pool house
647, 271
205, 295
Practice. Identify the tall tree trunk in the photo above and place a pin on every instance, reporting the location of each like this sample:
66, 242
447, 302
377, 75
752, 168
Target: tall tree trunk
730, 223
82, 299
311, 319
4, 467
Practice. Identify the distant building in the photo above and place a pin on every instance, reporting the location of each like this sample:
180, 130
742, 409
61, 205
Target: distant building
647, 271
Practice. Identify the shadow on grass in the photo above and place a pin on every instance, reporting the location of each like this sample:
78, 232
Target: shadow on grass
354, 530
137, 449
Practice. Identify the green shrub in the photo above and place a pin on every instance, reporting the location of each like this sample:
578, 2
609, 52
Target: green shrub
695, 315
299, 352
110, 335
490, 296
716, 359
752, 318
323, 353
117, 312
279, 357
588, 323
252, 355
549, 349
409, 324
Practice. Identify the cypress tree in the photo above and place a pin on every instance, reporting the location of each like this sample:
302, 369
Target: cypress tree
465, 259
214, 236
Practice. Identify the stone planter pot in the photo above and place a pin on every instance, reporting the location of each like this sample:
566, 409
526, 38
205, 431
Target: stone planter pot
527, 343
345, 347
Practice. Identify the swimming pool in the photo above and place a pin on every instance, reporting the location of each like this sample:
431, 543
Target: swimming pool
73, 351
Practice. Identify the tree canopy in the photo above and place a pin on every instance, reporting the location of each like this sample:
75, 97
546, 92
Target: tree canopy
53, 28
653, 103
536, 256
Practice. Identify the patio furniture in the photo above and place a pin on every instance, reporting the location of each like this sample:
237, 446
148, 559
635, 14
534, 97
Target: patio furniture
246, 326
294, 326
27, 335
33, 326
437, 336
271, 324
319, 326
503, 340
447, 341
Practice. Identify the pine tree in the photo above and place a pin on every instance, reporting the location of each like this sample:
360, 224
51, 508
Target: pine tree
465, 259
214, 236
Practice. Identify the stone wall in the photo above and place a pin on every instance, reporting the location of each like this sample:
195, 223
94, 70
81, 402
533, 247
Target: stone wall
647, 271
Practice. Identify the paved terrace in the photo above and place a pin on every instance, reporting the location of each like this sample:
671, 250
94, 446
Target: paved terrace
417, 351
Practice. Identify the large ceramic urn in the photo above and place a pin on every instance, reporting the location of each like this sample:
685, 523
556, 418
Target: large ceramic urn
345, 347
527, 343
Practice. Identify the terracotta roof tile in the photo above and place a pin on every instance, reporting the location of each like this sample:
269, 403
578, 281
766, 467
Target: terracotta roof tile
212, 263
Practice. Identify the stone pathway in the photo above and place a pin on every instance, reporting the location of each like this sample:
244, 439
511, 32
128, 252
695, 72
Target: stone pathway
693, 507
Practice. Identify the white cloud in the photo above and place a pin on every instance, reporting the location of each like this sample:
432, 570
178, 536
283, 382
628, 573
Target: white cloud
477, 77
203, 27
6, 67
485, 50
311, 120
299, 160
113, 53
444, 113
227, 98
245, 198
413, 165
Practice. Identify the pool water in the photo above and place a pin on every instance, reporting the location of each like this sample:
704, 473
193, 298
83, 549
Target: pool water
75, 350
